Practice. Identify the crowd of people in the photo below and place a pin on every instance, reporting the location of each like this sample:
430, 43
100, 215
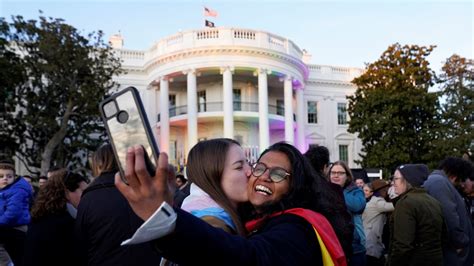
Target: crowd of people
287, 208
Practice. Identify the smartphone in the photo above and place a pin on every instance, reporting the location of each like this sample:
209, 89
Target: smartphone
127, 125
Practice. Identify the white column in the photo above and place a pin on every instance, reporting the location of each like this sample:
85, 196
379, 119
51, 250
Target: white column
150, 101
192, 108
164, 115
288, 93
264, 128
300, 135
228, 102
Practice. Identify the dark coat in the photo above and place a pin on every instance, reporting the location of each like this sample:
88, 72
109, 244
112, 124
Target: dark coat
50, 241
104, 220
416, 228
460, 234
283, 240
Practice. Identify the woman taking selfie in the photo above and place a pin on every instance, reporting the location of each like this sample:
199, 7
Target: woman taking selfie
288, 228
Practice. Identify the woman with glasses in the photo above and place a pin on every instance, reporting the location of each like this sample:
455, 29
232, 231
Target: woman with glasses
417, 223
289, 225
50, 238
340, 173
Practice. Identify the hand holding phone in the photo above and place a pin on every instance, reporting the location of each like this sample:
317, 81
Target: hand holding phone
127, 126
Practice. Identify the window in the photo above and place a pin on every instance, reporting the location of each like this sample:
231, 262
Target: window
341, 114
237, 99
172, 104
344, 153
201, 101
280, 107
312, 112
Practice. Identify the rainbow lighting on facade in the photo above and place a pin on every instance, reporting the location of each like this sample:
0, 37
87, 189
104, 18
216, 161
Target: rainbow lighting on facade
249, 85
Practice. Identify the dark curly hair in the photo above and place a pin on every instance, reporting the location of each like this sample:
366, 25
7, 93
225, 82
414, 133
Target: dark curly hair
460, 168
310, 190
52, 197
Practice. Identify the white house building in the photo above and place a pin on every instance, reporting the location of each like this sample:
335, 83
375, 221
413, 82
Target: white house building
253, 86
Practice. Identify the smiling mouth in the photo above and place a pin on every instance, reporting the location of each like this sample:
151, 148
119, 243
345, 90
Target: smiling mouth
263, 190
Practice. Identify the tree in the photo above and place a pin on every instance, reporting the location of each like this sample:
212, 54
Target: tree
457, 108
12, 75
392, 111
57, 118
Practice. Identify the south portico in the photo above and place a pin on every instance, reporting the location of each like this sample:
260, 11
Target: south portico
291, 90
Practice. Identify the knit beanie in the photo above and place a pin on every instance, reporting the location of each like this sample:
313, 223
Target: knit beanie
415, 174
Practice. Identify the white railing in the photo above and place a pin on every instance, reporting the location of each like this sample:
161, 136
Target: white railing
216, 37
207, 34
244, 34
251, 153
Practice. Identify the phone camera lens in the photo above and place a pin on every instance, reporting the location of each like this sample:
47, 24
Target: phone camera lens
122, 117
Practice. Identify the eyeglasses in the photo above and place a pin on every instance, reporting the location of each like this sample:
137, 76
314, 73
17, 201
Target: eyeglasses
277, 174
337, 173
7, 176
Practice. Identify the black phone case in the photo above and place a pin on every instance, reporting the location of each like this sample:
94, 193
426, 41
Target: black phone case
113, 136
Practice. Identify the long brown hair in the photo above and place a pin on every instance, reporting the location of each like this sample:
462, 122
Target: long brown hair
206, 162
52, 197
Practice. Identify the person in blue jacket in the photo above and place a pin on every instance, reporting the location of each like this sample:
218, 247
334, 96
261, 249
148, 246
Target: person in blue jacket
292, 217
15, 197
341, 174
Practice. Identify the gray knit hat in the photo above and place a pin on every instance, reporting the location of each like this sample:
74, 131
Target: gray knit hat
415, 174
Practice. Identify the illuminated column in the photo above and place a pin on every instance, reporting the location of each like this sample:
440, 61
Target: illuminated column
264, 129
300, 136
192, 108
164, 115
288, 93
228, 102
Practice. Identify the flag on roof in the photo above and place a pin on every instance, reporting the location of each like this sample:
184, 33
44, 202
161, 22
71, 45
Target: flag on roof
209, 12
209, 24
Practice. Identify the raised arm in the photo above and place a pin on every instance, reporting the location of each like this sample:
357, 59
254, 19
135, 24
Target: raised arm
144, 193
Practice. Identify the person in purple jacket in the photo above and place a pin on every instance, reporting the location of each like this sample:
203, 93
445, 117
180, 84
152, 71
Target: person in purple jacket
15, 197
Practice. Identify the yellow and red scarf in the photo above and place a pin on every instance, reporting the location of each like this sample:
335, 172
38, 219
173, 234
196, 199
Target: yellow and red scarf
331, 250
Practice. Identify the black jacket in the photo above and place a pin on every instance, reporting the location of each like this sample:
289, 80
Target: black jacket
283, 240
50, 241
104, 220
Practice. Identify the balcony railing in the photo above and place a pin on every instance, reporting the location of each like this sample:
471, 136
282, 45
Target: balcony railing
218, 107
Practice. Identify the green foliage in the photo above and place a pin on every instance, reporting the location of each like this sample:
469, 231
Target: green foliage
456, 135
392, 111
12, 75
57, 119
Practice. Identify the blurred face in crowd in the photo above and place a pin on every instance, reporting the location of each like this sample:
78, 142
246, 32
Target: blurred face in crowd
75, 196
399, 183
367, 191
338, 175
179, 182
270, 179
6, 177
360, 183
467, 186
235, 175
42, 182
